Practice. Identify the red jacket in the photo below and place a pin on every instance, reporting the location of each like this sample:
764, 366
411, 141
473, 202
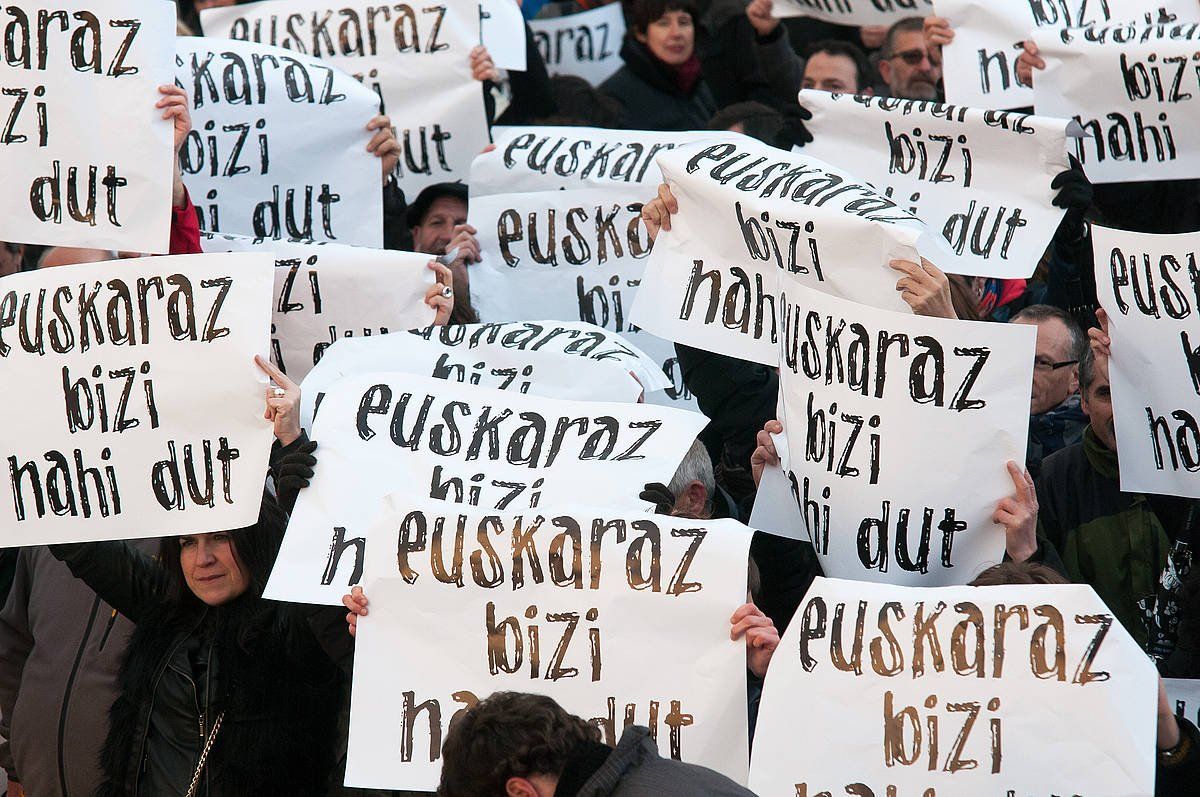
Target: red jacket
185, 228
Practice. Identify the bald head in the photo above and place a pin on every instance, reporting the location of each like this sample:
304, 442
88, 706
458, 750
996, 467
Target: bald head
70, 256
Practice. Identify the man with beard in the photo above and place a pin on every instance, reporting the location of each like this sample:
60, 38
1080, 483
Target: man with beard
910, 69
1133, 549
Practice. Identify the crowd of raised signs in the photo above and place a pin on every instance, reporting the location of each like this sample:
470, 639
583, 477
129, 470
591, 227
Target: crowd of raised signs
797, 398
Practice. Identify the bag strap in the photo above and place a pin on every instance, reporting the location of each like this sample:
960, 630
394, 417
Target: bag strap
212, 737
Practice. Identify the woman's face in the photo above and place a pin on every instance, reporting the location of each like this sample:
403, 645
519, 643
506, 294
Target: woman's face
671, 38
211, 567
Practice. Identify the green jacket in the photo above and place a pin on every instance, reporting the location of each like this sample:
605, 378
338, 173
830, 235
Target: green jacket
1108, 539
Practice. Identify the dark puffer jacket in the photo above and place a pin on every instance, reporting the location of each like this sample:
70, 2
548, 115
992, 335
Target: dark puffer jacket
255, 661
652, 100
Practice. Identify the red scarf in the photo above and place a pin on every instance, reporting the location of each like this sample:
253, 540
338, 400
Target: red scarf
687, 75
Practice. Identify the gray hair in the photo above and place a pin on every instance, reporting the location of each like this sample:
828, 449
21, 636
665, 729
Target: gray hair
1038, 313
696, 466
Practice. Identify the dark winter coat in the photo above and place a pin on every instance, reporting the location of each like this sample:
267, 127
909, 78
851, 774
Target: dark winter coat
652, 100
255, 662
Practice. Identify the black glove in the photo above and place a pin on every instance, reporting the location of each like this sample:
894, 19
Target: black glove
293, 472
794, 132
659, 495
1075, 195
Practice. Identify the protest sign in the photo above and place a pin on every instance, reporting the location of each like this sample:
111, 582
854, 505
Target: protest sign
1133, 90
84, 154
980, 65
328, 292
560, 231
585, 364
714, 278
1184, 694
854, 12
1153, 308
964, 691
463, 444
139, 409
278, 147
503, 31
584, 630
898, 431
415, 59
587, 44
981, 178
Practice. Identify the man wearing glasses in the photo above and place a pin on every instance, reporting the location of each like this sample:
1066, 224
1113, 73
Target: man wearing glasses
908, 67
1056, 418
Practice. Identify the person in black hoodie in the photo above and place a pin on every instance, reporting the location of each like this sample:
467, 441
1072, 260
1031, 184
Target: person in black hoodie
661, 86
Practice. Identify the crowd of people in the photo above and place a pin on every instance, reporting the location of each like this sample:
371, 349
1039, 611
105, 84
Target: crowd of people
155, 667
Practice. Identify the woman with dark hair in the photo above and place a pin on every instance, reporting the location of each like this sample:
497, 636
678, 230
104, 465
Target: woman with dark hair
223, 693
660, 85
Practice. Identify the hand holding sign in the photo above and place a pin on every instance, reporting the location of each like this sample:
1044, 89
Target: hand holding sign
283, 403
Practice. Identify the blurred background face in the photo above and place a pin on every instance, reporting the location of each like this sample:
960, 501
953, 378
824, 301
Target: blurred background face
69, 256
834, 73
671, 38
437, 227
911, 73
10, 258
1097, 403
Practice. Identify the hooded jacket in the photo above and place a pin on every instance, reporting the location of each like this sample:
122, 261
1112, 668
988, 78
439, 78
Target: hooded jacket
60, 649
652, 100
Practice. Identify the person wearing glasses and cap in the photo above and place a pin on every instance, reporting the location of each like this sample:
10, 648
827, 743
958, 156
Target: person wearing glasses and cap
910, 69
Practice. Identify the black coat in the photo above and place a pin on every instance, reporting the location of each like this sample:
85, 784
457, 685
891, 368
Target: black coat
652, 100
264, 671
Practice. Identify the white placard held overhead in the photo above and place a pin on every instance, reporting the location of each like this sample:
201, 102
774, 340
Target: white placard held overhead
414, 57
85, 157
980, 65
1133, 90
854, 12
751, 218
1153, 309
278, 147
587, 44
979, 178
559, 217
434, 439
499, 356
603, 595
140, 406
899, 428
503, 30
963, 691
328, 292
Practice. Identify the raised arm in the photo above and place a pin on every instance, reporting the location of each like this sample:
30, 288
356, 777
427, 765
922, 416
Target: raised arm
124, 577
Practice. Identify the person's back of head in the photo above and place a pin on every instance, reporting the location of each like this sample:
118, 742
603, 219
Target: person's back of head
1018, 573
510, 735
581, 104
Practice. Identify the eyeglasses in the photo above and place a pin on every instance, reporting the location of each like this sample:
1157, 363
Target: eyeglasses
1047, 366
915, 56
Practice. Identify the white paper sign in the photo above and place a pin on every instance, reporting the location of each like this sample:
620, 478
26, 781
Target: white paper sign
85, 157
503, 30
854, 12
328, 292
980, 65
559, 217
980, 178
452, 628
587, 44
414, 57
752, 218
1184, 694
278, 147
499, 356
964, 691
140, 406
433, 439
899, 428
1143, 284
1135, 92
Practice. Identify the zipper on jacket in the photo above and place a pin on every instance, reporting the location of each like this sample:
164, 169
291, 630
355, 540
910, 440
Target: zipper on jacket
66, 701
112, 620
